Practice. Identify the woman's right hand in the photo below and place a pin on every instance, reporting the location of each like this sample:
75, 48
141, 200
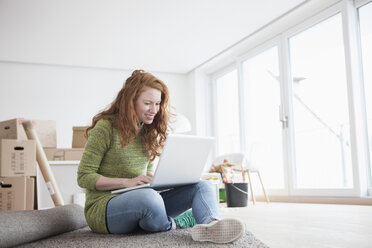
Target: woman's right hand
108, 183
142, 179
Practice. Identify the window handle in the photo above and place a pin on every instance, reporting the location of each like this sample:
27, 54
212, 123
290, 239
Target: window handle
283, 117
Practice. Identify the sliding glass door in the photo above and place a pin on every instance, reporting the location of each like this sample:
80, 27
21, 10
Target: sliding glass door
262, 101
320, 107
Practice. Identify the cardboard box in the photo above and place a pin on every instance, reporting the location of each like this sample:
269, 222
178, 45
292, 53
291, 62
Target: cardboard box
17, 158
78, 137
45, 129
68, 154
17, 193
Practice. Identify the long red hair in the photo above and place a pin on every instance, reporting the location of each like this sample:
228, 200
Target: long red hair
122, 116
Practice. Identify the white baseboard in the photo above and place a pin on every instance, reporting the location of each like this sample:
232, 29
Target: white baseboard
320, 200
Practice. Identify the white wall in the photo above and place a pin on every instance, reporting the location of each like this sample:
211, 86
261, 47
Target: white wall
201, 117
70, 95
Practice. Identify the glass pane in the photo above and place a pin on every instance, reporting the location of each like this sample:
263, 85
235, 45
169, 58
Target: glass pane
228, 113
365, 20
321, 118
263, 127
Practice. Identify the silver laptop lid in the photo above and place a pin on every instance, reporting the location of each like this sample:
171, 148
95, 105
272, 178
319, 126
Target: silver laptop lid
182, 160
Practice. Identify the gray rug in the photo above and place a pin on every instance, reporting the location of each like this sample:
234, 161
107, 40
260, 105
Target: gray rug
84, 237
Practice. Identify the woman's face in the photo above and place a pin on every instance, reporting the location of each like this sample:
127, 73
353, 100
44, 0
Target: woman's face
147, 104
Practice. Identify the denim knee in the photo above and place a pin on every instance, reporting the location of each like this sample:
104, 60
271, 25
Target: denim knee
150, 199
155, 218
204, 185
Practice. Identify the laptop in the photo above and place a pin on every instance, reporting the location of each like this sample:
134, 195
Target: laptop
181, 162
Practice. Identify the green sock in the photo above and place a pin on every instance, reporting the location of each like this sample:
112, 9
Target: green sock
185, 220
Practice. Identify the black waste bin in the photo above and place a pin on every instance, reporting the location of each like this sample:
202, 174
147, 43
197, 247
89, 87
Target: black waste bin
236, 194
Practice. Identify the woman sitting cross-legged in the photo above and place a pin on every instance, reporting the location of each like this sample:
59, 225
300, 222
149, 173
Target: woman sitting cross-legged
123, 140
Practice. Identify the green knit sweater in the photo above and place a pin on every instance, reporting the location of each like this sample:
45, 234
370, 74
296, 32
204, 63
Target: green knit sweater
104, 155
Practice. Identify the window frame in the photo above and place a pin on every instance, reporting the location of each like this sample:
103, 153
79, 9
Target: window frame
358, 4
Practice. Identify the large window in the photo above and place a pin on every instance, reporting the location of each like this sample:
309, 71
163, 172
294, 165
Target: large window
365, 21
320, 106
286, 103
227, 113
263, 127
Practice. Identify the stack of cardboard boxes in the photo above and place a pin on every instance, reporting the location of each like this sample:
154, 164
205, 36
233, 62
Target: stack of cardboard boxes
18, 164
69, 154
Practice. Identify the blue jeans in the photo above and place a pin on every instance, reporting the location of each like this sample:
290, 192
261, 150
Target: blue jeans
153, 211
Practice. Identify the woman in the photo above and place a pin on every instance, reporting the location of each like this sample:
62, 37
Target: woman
122, 143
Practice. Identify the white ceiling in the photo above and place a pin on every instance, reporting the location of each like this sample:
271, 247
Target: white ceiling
156, 35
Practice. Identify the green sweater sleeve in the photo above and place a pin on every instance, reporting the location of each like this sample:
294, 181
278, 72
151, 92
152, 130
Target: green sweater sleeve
150, 167
97, 144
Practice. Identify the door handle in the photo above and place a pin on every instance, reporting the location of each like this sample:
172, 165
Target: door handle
283, 117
